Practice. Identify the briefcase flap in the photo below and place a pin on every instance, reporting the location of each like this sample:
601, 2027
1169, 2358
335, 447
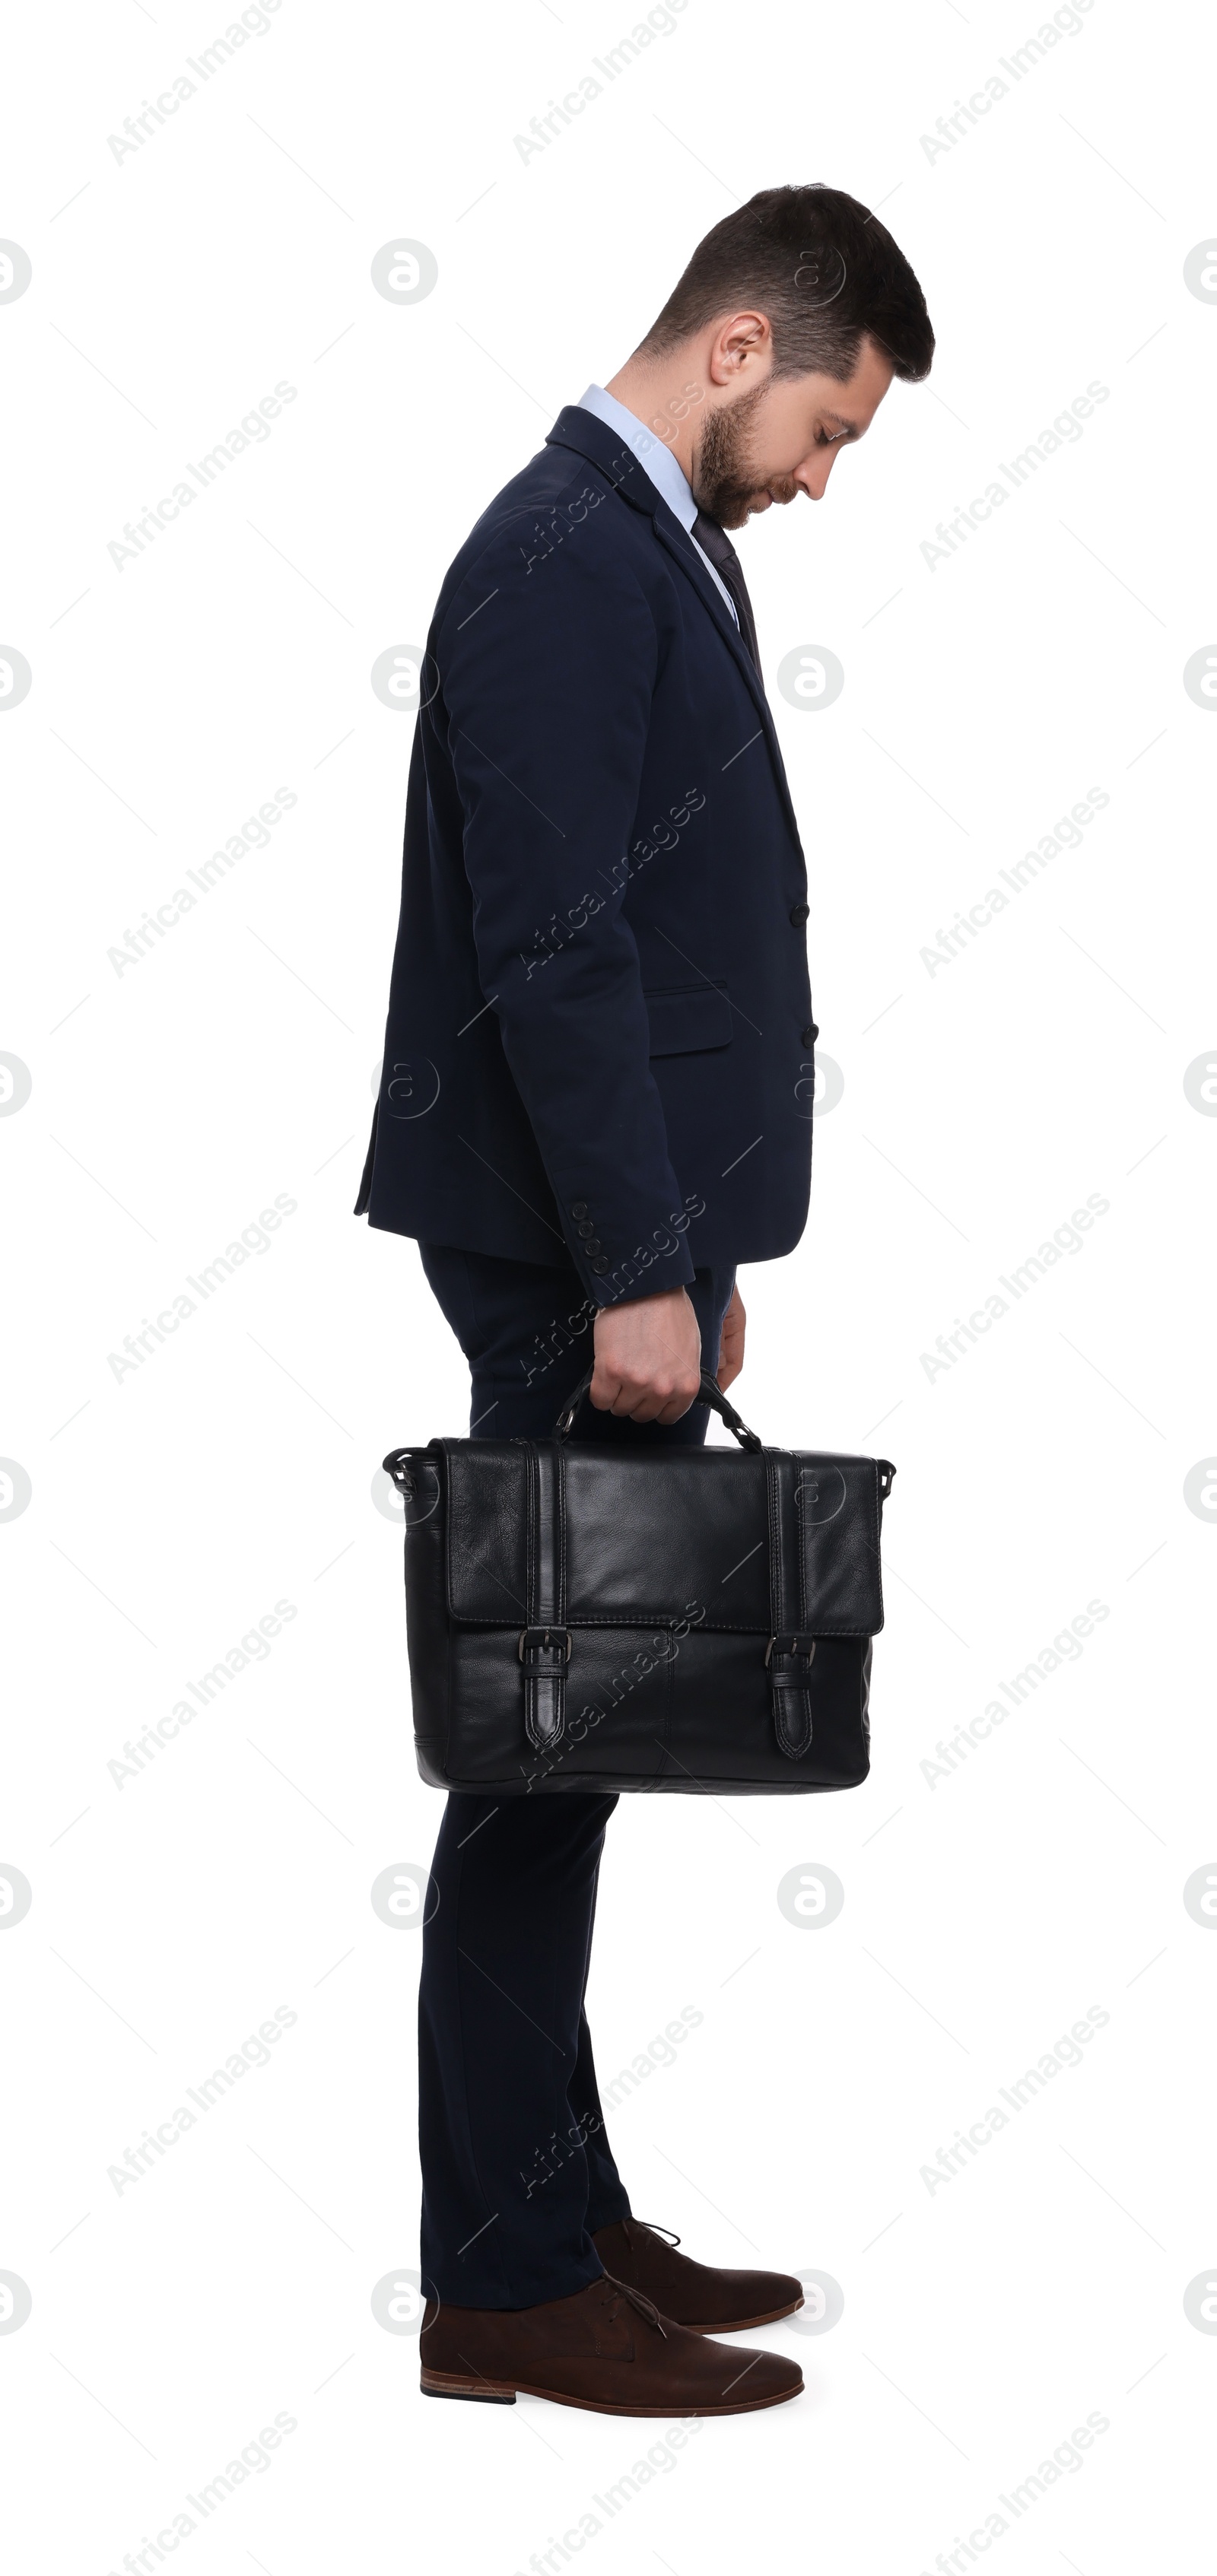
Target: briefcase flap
655, 1537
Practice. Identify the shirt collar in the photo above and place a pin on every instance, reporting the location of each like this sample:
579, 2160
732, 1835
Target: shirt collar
656, 459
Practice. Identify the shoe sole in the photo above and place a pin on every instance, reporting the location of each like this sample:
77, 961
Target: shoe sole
741, 2325
498, 2392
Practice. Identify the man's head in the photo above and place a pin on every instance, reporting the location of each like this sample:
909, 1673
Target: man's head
778, 345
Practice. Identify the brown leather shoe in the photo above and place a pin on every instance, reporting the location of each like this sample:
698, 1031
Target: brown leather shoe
710, 2302
606, 2348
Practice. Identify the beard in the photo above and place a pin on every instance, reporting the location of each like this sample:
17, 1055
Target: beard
726, 481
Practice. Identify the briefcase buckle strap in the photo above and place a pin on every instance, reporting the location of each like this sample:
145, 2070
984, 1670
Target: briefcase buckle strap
789, 1660
537, 1642
544, 1654
787, 1646
544, 1647
791, 1647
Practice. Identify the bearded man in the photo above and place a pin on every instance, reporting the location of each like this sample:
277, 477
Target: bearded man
595, 1104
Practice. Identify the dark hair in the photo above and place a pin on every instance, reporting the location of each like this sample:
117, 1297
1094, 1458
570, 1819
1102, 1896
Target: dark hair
824, 271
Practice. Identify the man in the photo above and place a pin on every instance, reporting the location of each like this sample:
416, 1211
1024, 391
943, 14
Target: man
595, 1104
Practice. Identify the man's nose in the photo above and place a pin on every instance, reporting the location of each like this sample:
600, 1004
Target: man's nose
812, 475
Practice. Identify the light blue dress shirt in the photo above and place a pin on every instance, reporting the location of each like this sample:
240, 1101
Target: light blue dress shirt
659, 462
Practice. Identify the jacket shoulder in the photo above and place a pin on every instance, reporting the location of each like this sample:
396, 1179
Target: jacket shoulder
556, 494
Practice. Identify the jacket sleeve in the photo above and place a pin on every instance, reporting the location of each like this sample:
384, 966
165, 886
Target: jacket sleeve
547, 668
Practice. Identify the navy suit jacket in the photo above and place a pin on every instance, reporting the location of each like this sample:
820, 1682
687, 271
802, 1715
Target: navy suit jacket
599, 1040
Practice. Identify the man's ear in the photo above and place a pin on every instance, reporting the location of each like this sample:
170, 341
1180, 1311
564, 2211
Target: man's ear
738, 342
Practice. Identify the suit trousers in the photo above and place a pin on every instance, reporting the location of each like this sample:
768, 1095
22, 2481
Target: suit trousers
517, 2169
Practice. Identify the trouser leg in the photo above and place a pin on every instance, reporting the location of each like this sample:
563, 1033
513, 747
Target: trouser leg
607, 2198
511, 2184
518, 2172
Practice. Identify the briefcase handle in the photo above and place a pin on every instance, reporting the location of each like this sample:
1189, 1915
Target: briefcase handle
711, 1393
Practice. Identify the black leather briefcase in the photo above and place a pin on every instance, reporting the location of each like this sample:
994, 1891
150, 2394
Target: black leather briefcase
591, 1615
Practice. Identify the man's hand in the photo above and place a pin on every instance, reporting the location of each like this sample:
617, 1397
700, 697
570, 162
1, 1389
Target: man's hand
731, 1347
648, 1358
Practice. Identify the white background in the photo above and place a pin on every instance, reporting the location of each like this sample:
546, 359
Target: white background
985, 1911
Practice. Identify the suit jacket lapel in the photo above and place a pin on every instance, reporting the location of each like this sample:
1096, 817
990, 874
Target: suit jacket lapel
680, 545
590, 437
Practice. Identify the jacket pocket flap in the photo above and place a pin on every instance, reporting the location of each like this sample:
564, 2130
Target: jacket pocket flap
688, 1018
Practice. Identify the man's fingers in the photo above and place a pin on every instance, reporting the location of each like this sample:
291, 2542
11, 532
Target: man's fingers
648, 1359
681, 1400
640, 1400
637, 1400
731, 1341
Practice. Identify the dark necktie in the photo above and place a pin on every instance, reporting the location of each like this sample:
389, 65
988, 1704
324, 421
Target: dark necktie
715, 543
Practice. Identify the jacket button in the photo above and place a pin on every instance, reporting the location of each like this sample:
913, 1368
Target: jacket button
578, 1207
600, 1265
800, 914
593, 1245
587, 1225
810, 1033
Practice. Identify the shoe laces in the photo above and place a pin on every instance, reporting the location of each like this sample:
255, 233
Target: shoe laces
645, 2307
651, 2228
